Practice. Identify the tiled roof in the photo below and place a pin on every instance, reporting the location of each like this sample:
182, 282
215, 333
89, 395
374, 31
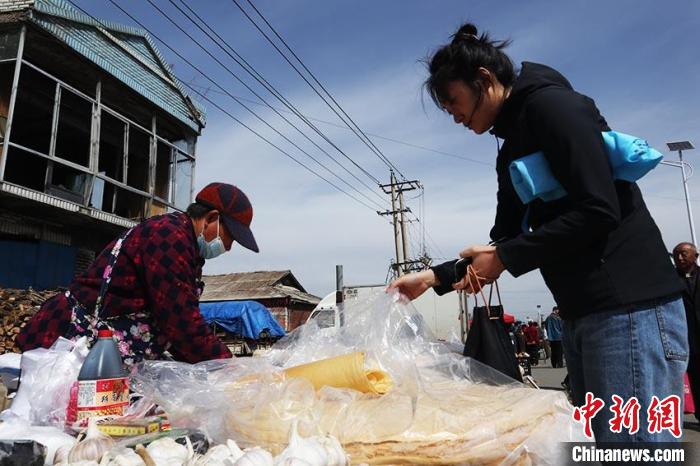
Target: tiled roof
255, 285
125, 52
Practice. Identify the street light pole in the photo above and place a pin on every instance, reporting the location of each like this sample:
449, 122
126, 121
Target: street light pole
680, 147
687, 199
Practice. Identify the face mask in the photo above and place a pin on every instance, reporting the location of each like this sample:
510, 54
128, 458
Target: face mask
213, 248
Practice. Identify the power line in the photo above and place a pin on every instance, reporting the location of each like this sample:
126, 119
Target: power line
363, 137
238, 78
240, 122
374, 135
278, 148
257, 76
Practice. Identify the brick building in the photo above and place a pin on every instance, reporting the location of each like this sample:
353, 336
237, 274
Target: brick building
279, 291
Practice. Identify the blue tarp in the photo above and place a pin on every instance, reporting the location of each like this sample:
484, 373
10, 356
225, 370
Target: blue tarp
246, 318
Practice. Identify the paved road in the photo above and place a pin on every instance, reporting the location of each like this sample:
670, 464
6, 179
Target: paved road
550, 378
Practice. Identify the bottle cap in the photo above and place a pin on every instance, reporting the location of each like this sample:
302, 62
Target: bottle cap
104, 333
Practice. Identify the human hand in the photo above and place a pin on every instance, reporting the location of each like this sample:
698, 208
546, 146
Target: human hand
485, 268
413, 285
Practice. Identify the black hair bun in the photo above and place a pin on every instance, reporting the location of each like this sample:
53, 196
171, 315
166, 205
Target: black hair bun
466, 32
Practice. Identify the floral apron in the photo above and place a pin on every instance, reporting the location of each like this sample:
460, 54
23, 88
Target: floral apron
133, 333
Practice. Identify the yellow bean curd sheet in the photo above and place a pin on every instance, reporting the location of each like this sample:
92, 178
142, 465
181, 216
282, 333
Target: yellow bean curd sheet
455, 422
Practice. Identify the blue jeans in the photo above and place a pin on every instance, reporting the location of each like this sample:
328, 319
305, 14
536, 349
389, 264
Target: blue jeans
637, 352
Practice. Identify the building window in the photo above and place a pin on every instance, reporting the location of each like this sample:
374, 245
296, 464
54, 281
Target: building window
111, 154
183, 180
130, 205
33, 112
116, 200
67, 183
185, 145
164, 172
9, 42
74, 125
138, 159
25, 169
7, 71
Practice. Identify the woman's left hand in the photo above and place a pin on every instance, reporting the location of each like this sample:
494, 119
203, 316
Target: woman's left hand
485, 264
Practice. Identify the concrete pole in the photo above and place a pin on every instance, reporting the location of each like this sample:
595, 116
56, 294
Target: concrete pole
399, 259
404, 235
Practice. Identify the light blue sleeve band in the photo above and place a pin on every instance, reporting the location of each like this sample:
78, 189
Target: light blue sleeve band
630, 158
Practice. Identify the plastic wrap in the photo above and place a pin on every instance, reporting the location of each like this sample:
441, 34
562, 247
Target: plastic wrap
443, 408
47, 376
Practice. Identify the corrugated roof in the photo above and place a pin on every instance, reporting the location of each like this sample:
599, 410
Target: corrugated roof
125, 52
255, 285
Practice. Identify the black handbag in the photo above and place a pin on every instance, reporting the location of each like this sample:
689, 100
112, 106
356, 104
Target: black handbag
488, 341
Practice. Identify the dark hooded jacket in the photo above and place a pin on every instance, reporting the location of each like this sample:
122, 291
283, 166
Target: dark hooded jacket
598, 247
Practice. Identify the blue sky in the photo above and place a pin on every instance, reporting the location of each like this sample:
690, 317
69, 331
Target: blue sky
638, 59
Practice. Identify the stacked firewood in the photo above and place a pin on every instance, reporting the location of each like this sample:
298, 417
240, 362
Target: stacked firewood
16, 308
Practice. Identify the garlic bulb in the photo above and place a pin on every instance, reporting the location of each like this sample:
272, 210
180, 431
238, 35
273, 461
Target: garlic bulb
83, 463
335, 454
93, 446
307, 449
167, 452
219, 455
236, 452
122, 457
255, 457
61, 455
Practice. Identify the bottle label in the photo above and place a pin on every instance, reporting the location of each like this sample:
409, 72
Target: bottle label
105, 397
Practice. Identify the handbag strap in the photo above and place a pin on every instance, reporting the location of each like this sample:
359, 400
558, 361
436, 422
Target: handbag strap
498, 295
107, 273
498, 292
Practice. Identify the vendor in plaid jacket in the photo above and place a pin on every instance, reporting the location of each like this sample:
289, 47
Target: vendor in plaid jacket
154, 282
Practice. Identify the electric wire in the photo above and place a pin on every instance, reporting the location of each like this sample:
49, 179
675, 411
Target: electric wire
278, 148
237, 78
330, 123
257, 76
363, 137
242, 123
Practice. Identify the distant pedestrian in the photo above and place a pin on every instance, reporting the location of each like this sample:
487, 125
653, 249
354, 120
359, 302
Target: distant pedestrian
685, 256
553, 324
521, 346
532, 338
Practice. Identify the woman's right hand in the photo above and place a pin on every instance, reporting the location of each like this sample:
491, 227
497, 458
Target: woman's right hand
413, 285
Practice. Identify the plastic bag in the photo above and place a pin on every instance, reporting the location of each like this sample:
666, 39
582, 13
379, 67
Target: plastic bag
47, 376
443, 408
14, 427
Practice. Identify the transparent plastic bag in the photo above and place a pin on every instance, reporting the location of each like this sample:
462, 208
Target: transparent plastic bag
47, 375
443, 408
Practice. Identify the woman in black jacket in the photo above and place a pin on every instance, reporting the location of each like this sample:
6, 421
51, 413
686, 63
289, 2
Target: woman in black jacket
598, 249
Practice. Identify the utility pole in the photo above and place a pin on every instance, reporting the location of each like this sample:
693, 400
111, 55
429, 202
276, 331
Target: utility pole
403, 264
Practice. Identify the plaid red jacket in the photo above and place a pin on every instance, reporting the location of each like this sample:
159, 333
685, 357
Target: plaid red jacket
158, 272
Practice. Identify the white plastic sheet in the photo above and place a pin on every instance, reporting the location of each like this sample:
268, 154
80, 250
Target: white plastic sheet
443, 409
